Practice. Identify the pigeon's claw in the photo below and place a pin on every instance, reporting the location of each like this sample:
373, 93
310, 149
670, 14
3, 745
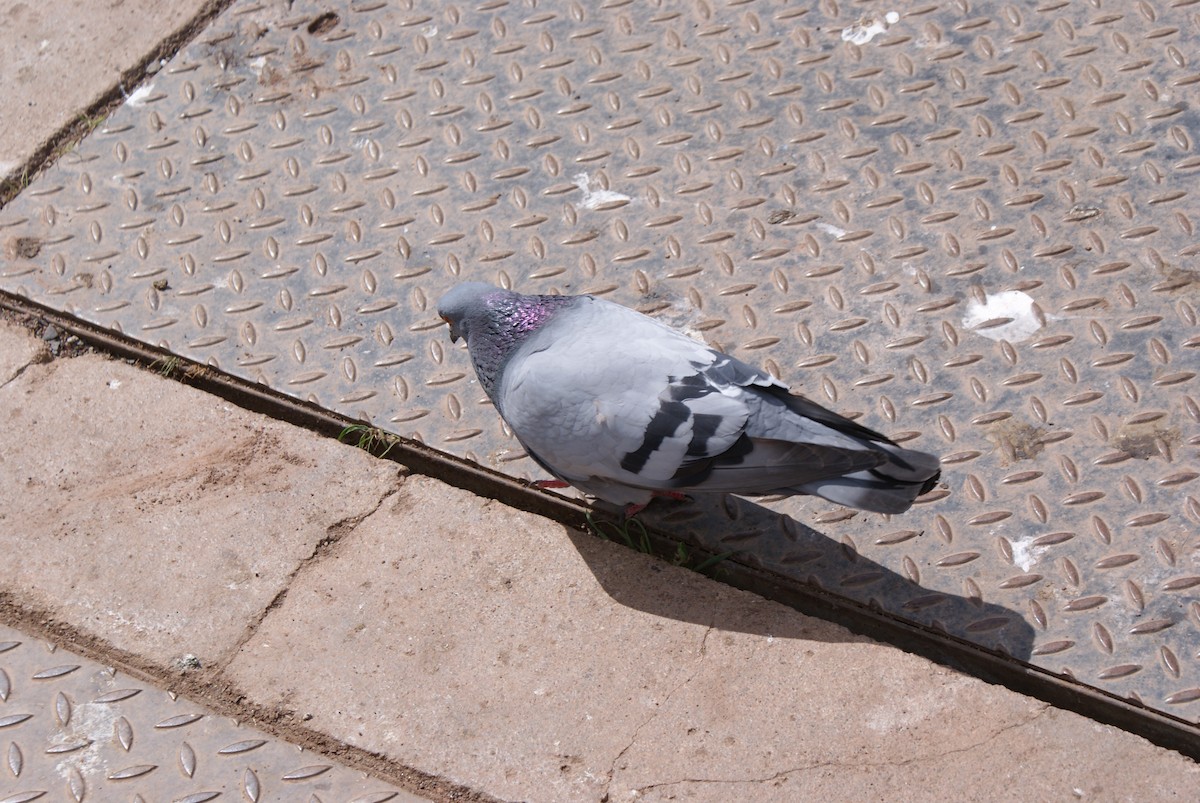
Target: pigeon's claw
633, 509
543, 485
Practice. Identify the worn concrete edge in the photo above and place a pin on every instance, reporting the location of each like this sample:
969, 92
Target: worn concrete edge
934, 645
86, 120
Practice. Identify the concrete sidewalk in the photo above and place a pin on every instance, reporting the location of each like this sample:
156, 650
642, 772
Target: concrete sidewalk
450, 644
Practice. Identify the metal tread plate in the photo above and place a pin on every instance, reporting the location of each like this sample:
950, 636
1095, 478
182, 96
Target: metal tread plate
975, 230
75, 730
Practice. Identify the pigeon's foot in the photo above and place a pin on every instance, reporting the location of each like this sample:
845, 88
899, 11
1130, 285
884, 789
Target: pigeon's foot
543, 485
632, 510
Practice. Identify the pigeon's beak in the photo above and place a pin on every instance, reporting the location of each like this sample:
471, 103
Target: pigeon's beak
454, 335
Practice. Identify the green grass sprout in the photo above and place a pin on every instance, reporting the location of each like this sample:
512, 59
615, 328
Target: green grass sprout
369, 438
634, 535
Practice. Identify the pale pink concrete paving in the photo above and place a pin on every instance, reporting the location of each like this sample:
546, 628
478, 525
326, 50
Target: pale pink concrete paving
57, 57
509, 654
152, 515
17, 352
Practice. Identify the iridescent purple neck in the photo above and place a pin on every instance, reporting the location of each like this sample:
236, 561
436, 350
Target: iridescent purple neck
511, 319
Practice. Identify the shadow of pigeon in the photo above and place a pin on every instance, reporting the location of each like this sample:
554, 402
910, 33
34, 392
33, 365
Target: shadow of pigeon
783, 559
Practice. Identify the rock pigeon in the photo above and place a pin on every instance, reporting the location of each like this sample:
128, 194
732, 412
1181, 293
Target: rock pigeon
625, 408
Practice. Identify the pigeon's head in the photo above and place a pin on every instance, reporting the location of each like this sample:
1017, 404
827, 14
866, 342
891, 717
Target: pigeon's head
467, 303
495, 322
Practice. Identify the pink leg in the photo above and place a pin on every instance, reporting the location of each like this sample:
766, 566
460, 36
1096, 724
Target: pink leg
542, 485
632, 510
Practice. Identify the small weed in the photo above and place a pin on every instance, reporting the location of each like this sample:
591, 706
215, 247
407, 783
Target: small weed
639, 542
63, 148
173, 367
166, 366
683, 557
90, 123
196, 371
369, 438
634, 535
81, 127
13, 186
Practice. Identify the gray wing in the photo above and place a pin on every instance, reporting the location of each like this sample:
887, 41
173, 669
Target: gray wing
609, 400
782, 447
606, 393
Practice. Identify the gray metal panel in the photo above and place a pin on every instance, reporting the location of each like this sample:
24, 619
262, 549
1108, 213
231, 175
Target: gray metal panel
976, 231
75, 730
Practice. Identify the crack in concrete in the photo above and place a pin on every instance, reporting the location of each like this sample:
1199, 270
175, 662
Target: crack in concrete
32, 329
612, 767
334, 534
17, 374
856, 764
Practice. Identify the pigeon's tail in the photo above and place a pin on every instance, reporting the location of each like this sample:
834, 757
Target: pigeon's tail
889, 487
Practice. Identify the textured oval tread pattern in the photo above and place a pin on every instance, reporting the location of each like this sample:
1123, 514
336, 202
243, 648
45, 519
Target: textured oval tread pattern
94, 734
973, 228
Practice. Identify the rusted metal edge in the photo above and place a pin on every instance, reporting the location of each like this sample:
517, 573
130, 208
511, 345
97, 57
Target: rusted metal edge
988, 665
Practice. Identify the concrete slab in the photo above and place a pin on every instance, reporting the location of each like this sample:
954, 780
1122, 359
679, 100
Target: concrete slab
860, 722
159, 518
488, 646
59, 57
17, 351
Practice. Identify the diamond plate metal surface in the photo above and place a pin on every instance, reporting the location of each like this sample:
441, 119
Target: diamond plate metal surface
975, 228
71, 729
